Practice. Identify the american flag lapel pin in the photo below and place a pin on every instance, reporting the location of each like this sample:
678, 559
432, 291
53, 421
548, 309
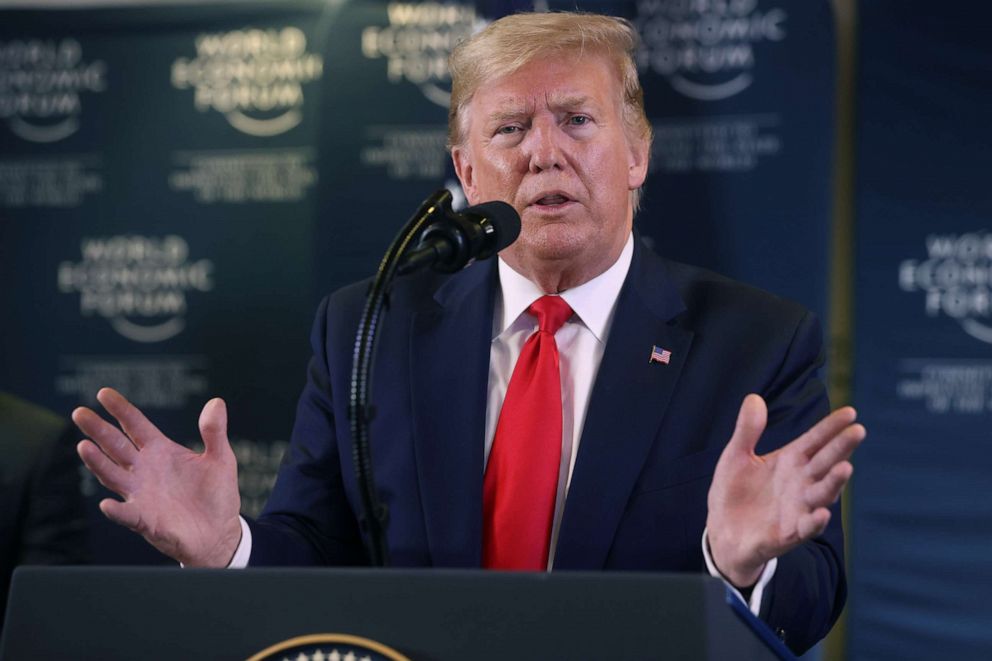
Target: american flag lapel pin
660, 355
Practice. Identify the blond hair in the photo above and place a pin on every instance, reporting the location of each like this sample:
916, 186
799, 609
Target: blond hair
511, 42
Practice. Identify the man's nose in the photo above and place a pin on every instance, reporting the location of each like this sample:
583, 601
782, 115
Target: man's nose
544, 147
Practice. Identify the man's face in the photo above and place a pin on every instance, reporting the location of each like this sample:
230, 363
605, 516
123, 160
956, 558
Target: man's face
550, 140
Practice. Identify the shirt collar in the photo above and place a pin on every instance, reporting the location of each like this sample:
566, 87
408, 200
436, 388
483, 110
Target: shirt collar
592, 301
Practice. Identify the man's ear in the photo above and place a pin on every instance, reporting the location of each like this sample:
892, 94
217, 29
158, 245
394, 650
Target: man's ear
464, 171
637, 164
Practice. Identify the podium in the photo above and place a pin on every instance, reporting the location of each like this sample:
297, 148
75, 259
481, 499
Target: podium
425, 615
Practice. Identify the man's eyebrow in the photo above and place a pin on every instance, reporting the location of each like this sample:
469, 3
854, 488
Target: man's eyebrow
570, 102
513, 109
507, 111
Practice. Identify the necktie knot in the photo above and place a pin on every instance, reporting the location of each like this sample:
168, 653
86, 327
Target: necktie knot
551, 312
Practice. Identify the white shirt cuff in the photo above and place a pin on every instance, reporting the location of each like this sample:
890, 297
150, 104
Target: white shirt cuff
240, 559
754, 604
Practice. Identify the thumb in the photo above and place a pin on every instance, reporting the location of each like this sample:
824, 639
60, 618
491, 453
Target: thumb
213, 425
751, 423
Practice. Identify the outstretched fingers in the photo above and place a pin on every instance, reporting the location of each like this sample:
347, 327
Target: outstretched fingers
110, 474
132, 421
827, 490
825, 430
125, 514
115, 445
836, 450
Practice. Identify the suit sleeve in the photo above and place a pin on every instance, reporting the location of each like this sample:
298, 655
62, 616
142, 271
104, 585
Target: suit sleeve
807, 592
43, 521
308, 520
55, 530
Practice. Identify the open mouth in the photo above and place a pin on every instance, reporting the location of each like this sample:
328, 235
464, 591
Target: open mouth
552, 200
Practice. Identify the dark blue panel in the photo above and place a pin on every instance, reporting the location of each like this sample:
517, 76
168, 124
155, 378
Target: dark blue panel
922, 519
741, 95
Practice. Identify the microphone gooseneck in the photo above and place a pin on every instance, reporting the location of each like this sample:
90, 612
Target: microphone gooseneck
449, 241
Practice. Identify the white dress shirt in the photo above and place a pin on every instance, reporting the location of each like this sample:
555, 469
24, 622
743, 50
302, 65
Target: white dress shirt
581, 342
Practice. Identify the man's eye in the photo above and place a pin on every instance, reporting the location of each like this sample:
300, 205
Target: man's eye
507, 130
578, 120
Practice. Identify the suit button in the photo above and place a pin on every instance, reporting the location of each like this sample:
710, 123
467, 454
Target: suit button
780, 632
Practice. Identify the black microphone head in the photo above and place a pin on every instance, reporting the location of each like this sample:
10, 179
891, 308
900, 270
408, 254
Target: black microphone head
500, 223
461, 237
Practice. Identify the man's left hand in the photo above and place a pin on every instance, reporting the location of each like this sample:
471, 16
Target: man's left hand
760, 507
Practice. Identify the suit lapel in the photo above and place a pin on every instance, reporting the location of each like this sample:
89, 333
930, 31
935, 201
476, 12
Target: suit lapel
629, 400
449, 354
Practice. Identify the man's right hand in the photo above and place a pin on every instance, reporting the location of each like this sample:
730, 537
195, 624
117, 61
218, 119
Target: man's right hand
185, 504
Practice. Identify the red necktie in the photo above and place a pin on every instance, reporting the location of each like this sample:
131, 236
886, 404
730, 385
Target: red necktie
521, 481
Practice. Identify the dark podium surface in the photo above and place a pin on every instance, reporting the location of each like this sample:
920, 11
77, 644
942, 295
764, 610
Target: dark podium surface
427, 615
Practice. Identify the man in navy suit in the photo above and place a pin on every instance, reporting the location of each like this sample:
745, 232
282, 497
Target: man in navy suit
660, 465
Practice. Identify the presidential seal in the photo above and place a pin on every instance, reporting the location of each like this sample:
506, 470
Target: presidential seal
329, 647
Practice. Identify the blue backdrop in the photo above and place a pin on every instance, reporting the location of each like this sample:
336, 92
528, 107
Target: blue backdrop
922, 518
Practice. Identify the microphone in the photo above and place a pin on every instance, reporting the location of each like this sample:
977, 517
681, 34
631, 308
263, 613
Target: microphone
457, 238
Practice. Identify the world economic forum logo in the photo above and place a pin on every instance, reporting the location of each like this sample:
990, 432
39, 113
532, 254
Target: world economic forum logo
417, 42
137, 283
705, 49
956, 280
254, 77
42, 86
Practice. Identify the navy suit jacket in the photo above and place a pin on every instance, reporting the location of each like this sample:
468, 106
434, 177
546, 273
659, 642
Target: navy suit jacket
652, 434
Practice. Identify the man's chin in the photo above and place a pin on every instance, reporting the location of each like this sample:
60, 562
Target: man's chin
550, 245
